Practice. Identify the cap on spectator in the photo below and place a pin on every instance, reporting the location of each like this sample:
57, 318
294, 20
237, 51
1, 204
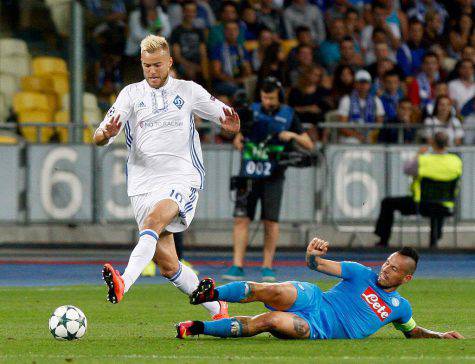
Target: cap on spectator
362, 76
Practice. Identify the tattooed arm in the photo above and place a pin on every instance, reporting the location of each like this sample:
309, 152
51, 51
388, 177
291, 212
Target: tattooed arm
315, 250
420, 333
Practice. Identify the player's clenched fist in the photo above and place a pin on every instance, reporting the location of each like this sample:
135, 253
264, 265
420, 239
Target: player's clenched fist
318, 247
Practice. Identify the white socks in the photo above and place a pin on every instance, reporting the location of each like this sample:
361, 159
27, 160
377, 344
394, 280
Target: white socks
187, 281
141, 255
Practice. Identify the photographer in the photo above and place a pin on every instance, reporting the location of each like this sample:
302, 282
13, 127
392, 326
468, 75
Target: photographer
269, 129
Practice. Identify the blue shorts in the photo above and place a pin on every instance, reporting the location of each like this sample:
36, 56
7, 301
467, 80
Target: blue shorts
307, 306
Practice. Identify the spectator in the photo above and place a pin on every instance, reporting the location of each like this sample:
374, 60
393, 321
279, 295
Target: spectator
271, 18
149, 18
378, 36
360, 107
462, 89
343, 80
459, 35
444, 120
188, 46
107, 19
229, 62
349, 54
251, 25
468, 52
437, 165
391, 95
273, 65
310, 99
409, 55
337, 10
383, 66
264, 41
421, 89
304, 59
108, 77
404, 117
304, 37
423, 7
381, 22
204, 20
330, 48
395, 16
382, 52
300, 12
229, 12
433, 28
440, 89
354, 26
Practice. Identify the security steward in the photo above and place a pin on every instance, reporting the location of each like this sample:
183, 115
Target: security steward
438, 165
270, 129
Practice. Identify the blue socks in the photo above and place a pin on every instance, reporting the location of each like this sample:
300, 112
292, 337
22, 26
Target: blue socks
223, 328
233, 292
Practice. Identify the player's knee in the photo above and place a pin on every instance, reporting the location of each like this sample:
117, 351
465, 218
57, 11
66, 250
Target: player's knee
271, 322
242, 222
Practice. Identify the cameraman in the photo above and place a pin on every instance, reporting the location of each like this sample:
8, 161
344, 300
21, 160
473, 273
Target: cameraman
269, 129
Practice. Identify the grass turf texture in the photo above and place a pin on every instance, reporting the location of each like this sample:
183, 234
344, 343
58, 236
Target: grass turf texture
141, 329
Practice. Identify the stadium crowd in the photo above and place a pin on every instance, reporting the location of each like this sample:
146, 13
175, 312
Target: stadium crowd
394, 62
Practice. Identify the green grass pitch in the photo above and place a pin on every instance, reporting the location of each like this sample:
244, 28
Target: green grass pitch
141, 329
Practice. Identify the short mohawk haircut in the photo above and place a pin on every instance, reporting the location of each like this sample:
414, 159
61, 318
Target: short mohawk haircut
410, 252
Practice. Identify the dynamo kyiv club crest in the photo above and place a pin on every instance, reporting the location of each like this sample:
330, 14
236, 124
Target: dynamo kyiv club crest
178, 101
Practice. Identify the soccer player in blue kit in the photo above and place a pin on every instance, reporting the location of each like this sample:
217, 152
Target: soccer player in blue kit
355, 308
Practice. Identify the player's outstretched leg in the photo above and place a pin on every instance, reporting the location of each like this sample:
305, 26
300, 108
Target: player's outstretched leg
280, 296
181, 276
283, 325
162, 214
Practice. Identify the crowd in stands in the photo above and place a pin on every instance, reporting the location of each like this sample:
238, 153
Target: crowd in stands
394, 62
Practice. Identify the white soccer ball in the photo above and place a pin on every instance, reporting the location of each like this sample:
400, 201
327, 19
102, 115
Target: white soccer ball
67, 323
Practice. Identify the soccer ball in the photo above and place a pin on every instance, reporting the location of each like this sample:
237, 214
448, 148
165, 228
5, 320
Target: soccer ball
67, 323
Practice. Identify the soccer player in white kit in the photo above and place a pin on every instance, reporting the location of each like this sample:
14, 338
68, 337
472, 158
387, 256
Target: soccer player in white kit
165, 166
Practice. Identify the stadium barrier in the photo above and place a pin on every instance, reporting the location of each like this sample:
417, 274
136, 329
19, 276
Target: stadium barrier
81, 183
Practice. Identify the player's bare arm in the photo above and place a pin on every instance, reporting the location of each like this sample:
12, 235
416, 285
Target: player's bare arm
111, 129
421, 333
316, 249
231, 122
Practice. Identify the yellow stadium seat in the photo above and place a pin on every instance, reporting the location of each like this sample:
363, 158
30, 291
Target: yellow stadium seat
17, 65
8, 139
12, 46
60, 84
30, 101
89, 101
287, 45
63, 131
52, 102
30, 133
49, 65
37, 84
250, 45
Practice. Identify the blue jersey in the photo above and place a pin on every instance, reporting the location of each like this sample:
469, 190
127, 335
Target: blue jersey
354, 308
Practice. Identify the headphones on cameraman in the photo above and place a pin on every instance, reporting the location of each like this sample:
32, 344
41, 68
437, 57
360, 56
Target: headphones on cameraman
273, 83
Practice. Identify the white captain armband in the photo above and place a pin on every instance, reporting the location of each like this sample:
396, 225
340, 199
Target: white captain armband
406, 327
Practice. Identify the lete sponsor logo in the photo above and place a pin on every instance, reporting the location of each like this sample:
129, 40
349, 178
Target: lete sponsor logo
375, 302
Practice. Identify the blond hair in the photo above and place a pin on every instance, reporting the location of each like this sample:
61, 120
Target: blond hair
153, 43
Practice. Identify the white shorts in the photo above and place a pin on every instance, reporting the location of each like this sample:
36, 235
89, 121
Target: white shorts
185, 196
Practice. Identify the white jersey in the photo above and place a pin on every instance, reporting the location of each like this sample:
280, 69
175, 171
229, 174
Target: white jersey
163, 144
